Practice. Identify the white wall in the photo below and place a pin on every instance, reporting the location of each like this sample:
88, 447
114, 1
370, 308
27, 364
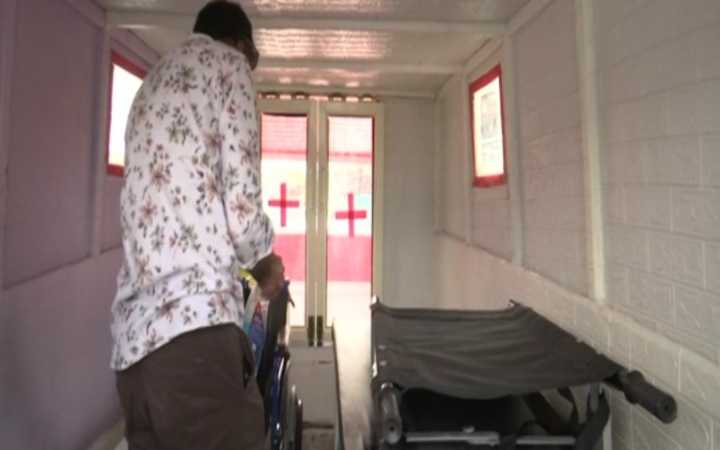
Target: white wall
657, 75
660, 79
56, 388
452, 165
490, 226
551, 161
488, 223
408, 202
662, 177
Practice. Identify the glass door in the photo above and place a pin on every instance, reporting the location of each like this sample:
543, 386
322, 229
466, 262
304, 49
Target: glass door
284, 145
351, 161
320, 183
349, 215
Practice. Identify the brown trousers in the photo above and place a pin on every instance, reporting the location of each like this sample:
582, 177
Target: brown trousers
195, 393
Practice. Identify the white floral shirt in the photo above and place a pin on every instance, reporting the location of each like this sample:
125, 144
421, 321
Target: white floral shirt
191, 207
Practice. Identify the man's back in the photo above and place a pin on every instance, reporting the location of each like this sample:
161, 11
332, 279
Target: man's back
191, 207
191, 218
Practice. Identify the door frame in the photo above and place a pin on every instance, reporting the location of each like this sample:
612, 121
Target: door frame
376, 111
316, 186
309, 109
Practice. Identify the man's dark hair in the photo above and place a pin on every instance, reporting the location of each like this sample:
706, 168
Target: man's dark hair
223, 20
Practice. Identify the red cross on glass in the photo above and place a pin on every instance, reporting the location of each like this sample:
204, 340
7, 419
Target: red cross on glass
283, 203
351, 215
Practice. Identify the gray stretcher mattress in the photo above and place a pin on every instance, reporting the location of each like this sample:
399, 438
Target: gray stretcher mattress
480, 354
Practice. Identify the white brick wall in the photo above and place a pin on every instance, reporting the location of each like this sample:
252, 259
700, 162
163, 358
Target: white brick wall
676, 257
712, 267
491, 223
699, 382
660, 72
648, 206
693, 428
659, 75
551, 151
491, 226
627, 246
698, 313
453, 183
697, 212
673, 161
408, 205
622, 421
649, 436
650, 296
710, 160
624, 162
477, 279
661, 363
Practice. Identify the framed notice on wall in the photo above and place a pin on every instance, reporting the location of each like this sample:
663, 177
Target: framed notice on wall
488, 139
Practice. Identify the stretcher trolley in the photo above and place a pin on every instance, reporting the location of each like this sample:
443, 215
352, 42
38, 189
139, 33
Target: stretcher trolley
504, 379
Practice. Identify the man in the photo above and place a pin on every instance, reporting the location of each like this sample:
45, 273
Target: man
192, 218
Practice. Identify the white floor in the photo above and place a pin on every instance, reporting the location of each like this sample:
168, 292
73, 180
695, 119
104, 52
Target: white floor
345, 299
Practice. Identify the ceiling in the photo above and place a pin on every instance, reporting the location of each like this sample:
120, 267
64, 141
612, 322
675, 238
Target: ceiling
403, 47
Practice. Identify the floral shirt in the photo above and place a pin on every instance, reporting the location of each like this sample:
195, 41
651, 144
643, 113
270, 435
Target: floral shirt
191, 208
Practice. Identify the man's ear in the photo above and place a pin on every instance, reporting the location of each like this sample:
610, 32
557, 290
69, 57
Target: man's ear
250, 51
229, 42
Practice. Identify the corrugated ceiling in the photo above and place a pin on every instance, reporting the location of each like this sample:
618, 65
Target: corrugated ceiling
300, 56
442, 10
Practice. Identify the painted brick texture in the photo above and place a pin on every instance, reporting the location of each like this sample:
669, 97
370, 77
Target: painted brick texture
453, 184
551, 158
662, 163
491, 217
660, 75
491, 223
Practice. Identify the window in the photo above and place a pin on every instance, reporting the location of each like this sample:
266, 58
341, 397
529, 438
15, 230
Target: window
486, 120
125, 80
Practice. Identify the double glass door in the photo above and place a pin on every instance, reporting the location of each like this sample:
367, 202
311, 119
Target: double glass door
321, 184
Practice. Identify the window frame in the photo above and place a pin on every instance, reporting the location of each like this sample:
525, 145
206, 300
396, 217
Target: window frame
485, 79
117, 59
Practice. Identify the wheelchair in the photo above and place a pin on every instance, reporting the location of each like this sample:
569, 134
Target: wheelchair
283, 407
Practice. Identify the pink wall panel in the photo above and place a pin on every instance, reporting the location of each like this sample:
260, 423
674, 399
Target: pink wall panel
51, 139
56, 389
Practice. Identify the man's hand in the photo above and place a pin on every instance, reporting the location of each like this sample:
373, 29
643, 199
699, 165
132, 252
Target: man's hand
269, 273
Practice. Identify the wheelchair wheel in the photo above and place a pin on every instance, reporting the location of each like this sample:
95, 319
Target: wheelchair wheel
290, 419
298, 425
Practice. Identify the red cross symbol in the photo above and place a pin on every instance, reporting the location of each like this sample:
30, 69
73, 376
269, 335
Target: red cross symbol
283, 203
351, 215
